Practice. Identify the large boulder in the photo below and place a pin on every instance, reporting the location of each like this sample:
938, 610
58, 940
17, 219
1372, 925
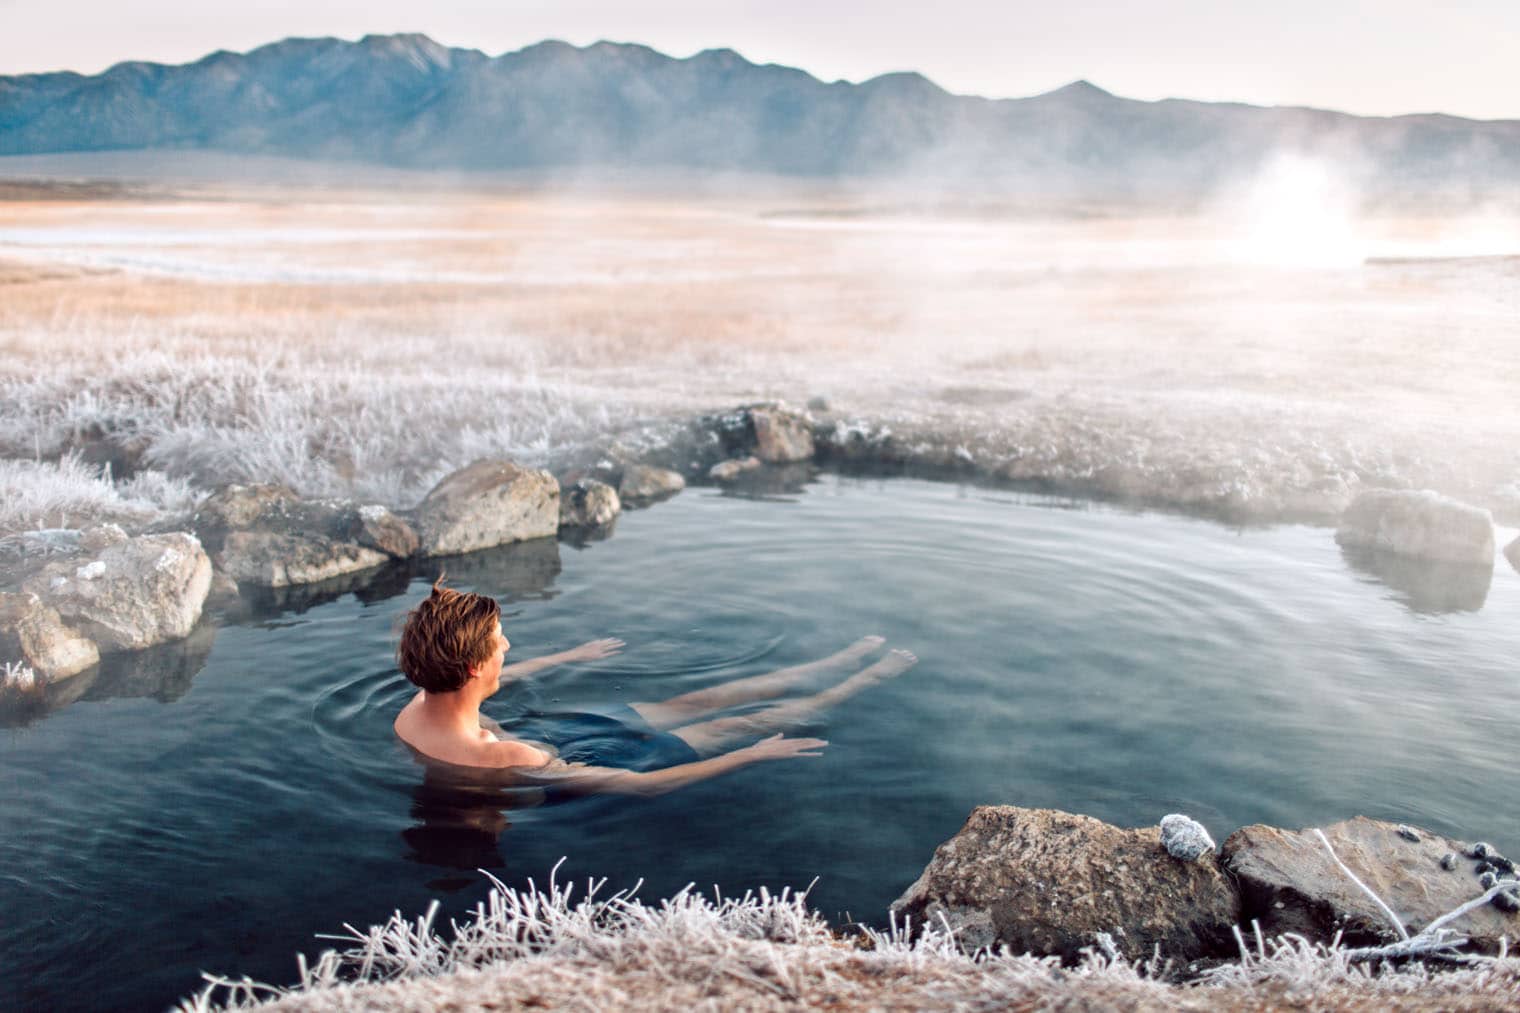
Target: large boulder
487, 503
35, 634
588, 503
1289, 883
1423, 525
267, 535
642, 483
270, 559
131, 594
1048, 882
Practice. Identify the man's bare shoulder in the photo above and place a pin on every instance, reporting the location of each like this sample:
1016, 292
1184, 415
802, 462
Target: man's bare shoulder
511, 753
484, 751
487, 746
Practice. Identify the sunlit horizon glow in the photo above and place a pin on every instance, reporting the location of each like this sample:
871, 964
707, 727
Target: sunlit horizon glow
1325, 55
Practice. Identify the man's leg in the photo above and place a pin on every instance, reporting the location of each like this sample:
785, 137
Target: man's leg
688, 707
719, 735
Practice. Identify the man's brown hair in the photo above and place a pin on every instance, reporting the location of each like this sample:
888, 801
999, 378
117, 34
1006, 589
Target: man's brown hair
446, 636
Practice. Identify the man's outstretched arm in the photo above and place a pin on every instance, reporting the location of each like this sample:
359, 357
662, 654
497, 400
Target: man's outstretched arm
589, 651
613, 781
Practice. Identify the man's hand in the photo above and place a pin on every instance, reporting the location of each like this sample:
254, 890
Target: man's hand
595, 649
777, 747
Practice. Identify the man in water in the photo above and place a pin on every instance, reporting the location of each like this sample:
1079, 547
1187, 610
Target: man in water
453, 649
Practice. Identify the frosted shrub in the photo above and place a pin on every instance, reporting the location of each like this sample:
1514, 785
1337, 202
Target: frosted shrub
556, 948
18, 678
63, 494
158, 489
322, 428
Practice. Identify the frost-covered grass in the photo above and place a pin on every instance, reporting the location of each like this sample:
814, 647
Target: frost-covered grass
17, 677
67, 493
559, 949
324, 429
1137, 356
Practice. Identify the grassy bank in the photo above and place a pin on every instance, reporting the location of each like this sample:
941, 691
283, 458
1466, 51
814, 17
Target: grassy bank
561, 949
360, 344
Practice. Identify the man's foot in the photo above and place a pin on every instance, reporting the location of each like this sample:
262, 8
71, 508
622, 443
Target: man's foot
847, 658
894, 664
859, 649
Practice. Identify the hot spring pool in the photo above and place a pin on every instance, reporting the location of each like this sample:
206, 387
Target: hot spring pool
216, 804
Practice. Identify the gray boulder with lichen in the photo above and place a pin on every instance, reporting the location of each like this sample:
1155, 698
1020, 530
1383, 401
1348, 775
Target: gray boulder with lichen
1048, 882
485, 504
1290, 883
132, 593
267, 535
271, 559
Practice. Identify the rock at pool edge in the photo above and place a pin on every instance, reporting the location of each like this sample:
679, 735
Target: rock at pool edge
133, 594
1424, 525
1048, 882
485, 504
588, 503
643, 484
33, 633
1289, 883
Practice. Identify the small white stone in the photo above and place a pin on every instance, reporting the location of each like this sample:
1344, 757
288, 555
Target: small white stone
373, 512
91, 570
1184, 837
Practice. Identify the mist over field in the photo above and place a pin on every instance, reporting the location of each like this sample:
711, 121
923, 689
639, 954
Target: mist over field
1263, 355
353, 266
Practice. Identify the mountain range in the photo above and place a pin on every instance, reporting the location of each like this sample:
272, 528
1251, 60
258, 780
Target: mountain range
406, 101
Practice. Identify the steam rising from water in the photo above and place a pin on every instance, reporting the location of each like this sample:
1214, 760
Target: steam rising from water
1298, 213
1258, 354
1310, 213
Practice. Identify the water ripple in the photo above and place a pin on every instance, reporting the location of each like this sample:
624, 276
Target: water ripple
1127, 665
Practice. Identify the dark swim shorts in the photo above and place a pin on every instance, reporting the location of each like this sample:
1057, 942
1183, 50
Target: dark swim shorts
618, 737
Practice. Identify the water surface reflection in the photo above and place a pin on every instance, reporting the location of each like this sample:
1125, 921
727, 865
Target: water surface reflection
1120, 664
1424, 586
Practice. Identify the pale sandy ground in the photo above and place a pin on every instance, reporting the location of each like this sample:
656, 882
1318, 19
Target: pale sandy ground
1253, 360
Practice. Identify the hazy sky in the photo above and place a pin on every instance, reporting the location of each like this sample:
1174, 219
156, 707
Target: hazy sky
1377, 58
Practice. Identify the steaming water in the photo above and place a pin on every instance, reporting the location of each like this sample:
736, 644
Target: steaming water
1121, 665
